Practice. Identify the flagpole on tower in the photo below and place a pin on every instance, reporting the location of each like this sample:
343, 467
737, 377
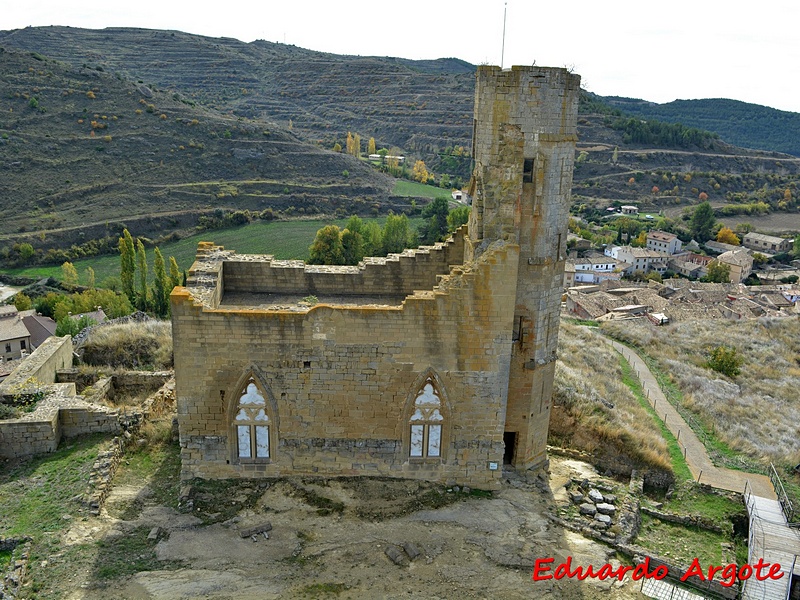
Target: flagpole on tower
503, 51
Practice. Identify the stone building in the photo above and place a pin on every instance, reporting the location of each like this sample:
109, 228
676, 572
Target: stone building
435, 363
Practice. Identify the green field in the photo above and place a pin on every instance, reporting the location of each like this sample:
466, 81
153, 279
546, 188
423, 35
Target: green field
283, 239
410, 188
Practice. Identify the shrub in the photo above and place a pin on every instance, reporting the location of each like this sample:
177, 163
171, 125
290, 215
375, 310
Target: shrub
136, 345
725, 360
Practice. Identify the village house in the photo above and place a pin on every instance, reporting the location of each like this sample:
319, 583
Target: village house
767, 244
640, 260
15, 340
663, 242
594, 269
740, 262
436, 363
629, 210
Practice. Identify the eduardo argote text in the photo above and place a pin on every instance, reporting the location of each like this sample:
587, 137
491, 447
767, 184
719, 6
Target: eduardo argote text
543, 569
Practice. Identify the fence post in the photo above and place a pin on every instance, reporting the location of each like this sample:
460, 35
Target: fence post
699, 476
679, 436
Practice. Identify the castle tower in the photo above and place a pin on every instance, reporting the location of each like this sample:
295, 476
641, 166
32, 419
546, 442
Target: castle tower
524, 136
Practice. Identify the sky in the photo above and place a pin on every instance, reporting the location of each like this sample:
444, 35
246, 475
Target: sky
657, 51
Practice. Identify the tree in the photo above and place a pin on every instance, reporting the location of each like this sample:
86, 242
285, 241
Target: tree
355, 224
726, 236
702, 222
349, 143
327, 247
725, 360
641, 240
141, 260
337, 147
420, 172
718, 272
373, 239
127, 264
356, 145
161, 285
435, 229
371, 146
457, 217
174, 272
352, 247
90, 282
395, 234
25, 251
22, 302
69, 273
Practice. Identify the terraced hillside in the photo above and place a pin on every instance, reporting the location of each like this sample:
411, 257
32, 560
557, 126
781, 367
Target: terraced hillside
420, 106
84, 148
424, 108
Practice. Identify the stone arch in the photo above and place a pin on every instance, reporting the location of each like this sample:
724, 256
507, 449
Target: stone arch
252, 417
427, 419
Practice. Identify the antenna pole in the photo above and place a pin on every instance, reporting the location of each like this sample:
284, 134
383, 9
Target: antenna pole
503, 51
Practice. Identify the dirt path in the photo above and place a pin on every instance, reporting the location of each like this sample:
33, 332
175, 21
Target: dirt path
697, 457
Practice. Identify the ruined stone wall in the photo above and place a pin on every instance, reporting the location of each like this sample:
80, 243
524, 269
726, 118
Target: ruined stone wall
341, 381
395, 275
53, 354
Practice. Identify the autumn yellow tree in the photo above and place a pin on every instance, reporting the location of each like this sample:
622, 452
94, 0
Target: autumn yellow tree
420, 172
356, 145
726, 236
350, 143
69, 273
371, 146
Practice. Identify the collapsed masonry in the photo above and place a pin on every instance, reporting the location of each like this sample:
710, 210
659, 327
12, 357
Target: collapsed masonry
435, 364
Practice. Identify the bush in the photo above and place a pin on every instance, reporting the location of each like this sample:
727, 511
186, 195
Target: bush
725, 360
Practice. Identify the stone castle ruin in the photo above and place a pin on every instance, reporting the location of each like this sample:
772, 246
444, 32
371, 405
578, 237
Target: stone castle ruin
436, 363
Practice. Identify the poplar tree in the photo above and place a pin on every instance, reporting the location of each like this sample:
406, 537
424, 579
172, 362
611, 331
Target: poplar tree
141, 259
127, 265
69, 273
371, 146
161, 285
174, 272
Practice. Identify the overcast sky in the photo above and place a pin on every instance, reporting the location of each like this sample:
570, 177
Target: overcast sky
658, 51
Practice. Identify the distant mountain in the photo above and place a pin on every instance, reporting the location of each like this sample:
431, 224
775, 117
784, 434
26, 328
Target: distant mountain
738, 123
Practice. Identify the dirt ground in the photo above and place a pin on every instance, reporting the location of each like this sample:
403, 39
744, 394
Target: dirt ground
474, 547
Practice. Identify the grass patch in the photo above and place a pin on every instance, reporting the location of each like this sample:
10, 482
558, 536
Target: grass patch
135, 345
689, 499
5, 560
584, 322
128, 554
680, 544
158, 463
37, 494
403, 187
679, 466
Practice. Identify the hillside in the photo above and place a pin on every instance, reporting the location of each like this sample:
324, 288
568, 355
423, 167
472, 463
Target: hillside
84, 148
740, 123
423, 108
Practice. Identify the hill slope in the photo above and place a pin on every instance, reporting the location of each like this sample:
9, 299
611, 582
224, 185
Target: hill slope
740, 123
80, 146
422, 107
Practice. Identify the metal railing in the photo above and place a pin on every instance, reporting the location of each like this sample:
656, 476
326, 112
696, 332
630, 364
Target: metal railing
783, 497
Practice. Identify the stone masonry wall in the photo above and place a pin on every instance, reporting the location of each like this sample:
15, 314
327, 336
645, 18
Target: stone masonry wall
395, 275
523, 146
53, 354
341, 380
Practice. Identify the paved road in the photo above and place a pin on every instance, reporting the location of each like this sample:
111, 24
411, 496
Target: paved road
696, 455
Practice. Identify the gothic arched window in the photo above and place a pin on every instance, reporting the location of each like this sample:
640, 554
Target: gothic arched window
252, 424
426, 423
